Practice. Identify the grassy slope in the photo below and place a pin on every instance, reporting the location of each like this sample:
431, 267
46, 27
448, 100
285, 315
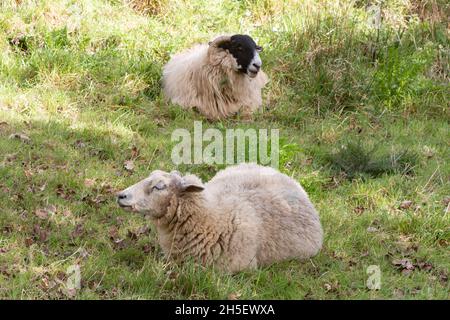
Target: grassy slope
81, 80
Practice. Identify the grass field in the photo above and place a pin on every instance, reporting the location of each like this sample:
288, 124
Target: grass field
363, 113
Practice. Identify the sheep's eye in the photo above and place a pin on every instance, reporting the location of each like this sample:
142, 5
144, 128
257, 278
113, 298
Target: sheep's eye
259, 49
159, 186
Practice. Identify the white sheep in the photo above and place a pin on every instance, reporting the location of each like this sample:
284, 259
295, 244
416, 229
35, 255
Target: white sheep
246, 216
219, 78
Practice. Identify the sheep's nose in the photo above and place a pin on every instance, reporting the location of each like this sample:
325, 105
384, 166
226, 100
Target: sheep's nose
123, 196
257, 66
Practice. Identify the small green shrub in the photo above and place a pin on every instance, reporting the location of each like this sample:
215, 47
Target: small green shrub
398, 76
358, 160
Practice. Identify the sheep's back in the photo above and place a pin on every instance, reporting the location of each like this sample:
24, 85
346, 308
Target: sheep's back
178, 75
289, 225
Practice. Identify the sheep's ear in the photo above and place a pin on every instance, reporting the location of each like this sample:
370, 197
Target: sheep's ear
191, 185
175, 173
221, 42
192, 188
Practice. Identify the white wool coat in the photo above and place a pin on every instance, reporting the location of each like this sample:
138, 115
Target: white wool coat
205, 77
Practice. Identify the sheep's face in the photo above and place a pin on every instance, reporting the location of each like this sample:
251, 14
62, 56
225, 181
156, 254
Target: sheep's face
246, 53
152, 196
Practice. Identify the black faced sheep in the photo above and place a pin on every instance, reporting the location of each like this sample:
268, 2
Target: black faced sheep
246, 216
219, 78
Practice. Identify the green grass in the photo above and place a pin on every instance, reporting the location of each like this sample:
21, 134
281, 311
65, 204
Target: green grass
81, 79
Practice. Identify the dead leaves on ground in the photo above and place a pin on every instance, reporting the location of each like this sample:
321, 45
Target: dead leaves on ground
122, 242
64, 192
406, 266
100, 194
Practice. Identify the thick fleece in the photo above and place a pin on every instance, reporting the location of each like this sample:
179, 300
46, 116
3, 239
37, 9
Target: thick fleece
245, 217
206, 77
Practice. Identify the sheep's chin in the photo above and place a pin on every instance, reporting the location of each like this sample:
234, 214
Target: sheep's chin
252, 74
129, 208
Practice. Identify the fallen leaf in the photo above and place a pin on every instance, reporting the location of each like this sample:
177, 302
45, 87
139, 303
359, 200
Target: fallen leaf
40, 233
28, 173
10, 157
77, 231
359, 210
5, 271
89, 182
129, 165
120, 244
416, 290
113, 233
134, 152
405, 272
447, 204
406, 246
399, 293
143, 230
443, 278
83, 253
446, 201
51, 209
41, 213
64, 193
107, 189
405, 204
71, 292
405, 265
67, 213
234, 296
21, 136
132, 235
364, 254
307, 161
147, 248
45, 212
425, 266
98, 199
172, 275
28, 242
79, 144
372, 229
114, 236
428, 152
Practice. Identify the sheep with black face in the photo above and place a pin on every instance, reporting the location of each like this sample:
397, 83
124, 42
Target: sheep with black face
220, 78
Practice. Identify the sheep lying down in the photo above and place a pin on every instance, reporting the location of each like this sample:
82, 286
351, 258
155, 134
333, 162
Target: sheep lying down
245, 217
219, 79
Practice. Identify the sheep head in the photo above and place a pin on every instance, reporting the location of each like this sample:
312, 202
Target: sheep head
242, 51
154, 194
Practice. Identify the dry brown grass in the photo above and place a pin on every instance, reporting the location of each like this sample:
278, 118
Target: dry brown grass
147, 7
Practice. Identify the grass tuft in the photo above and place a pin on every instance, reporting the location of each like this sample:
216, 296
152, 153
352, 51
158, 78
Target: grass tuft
357, 159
